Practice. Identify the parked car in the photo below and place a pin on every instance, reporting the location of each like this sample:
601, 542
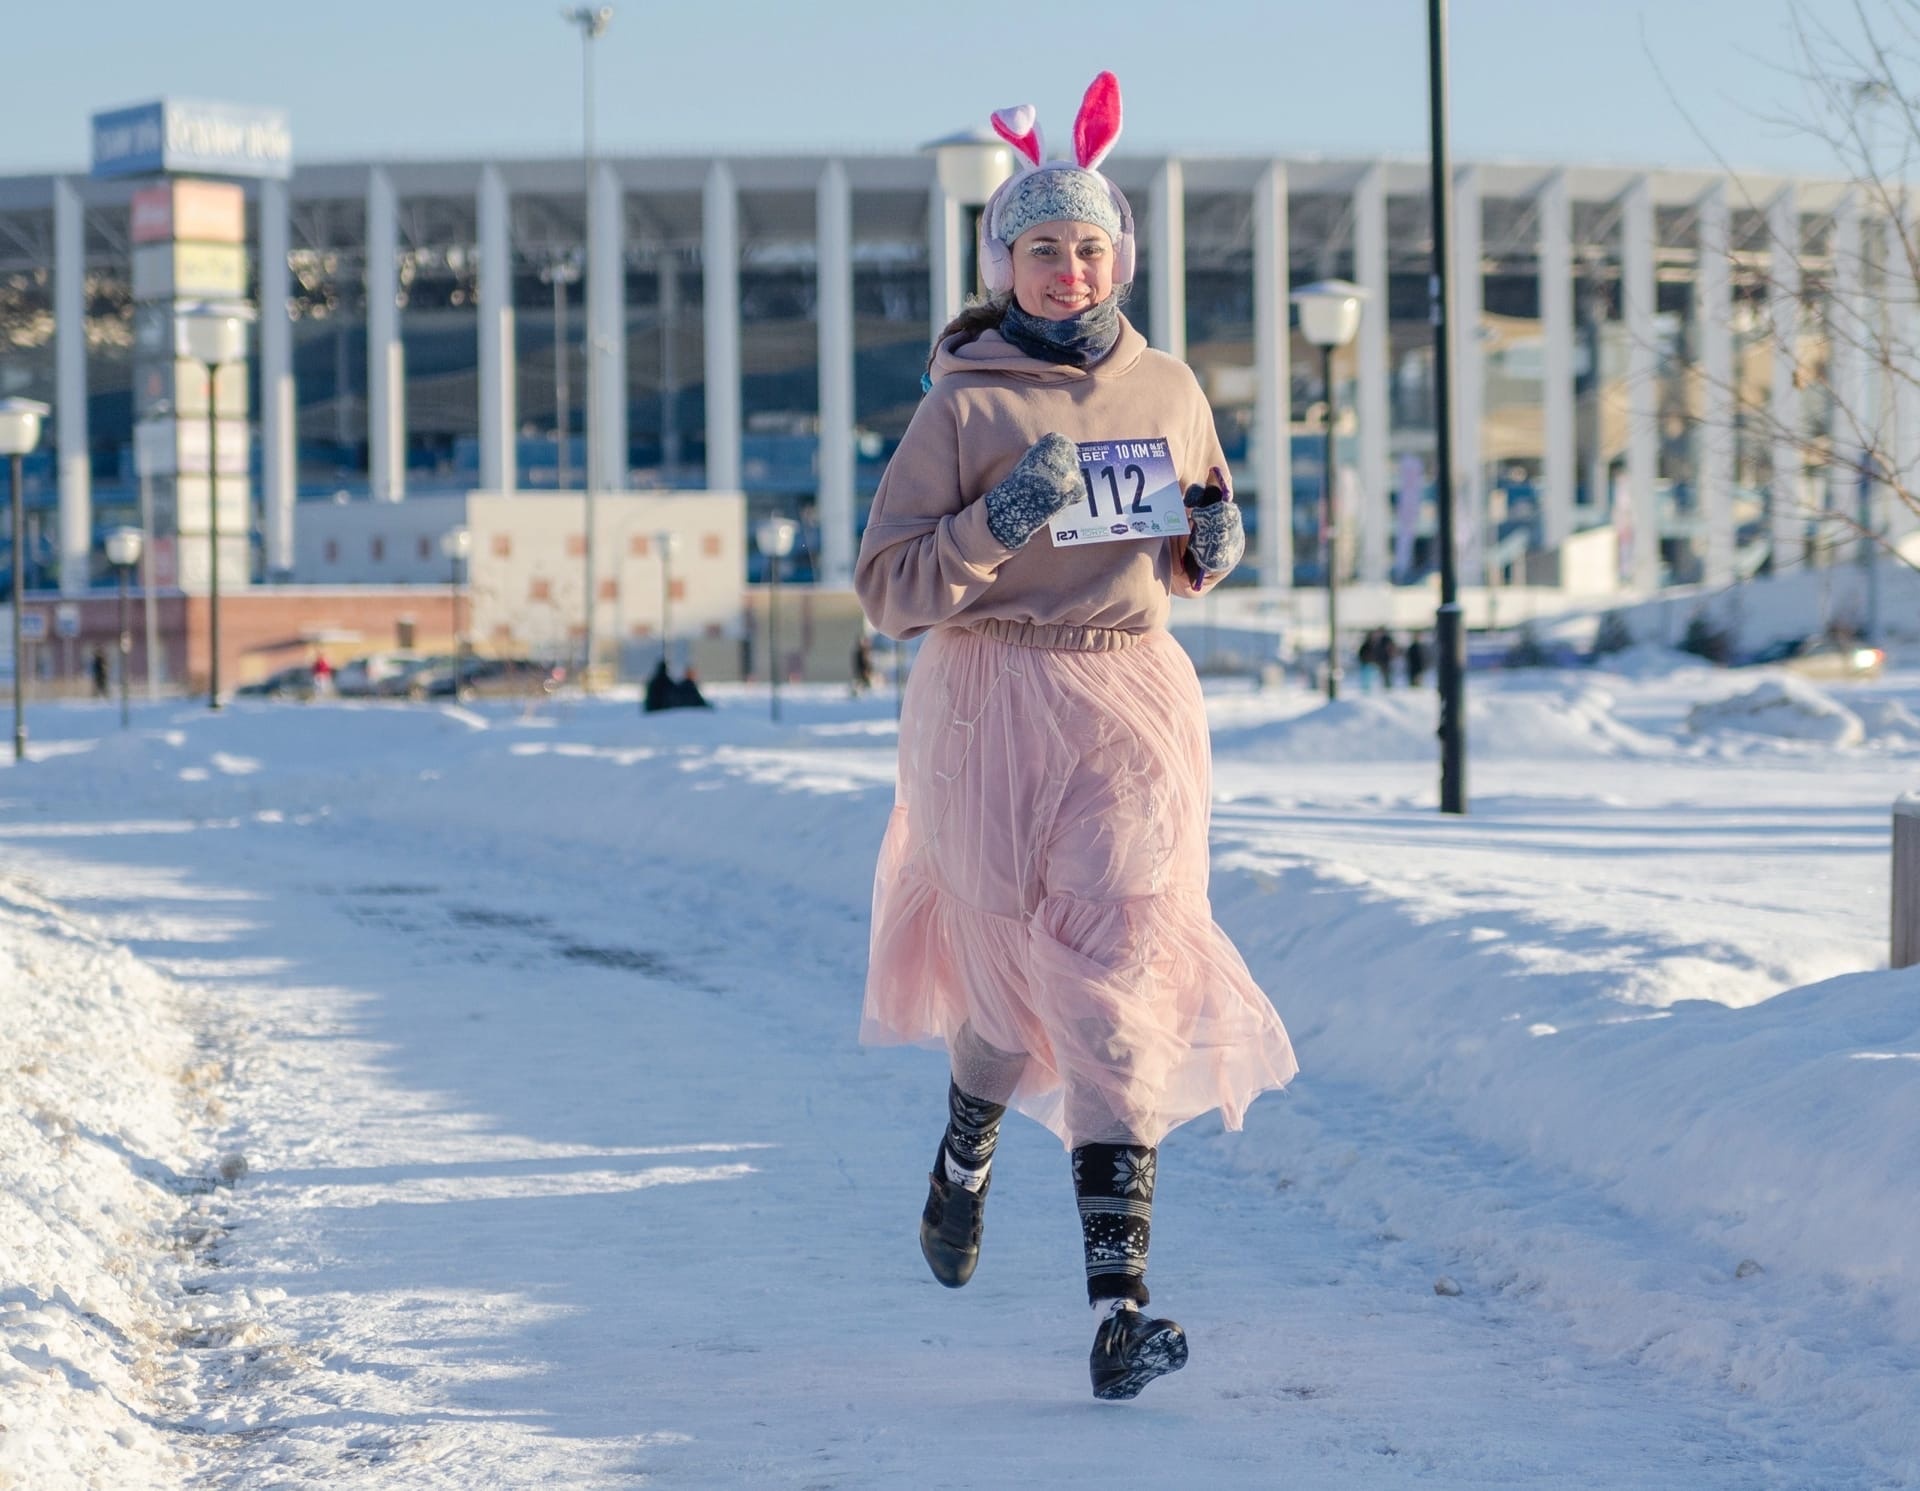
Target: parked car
407, 679
1824, 659
288, 683
495, 676
364, 677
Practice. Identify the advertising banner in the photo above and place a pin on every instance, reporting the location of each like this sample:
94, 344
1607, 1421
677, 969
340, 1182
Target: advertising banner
193, 564
164, 446
194, 211
190, 499
180, 388
192, 138
189, 271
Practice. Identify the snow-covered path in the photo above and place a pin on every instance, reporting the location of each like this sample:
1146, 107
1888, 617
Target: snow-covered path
571, 1174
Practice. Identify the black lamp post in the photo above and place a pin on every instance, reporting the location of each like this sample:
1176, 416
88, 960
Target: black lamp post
123, 553
592, 21
667, 543
456, 544
1449, 639
1329, 317
213, 334
776, 538
19, 433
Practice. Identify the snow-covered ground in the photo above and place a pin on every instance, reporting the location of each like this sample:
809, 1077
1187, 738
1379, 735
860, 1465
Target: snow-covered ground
468, 1098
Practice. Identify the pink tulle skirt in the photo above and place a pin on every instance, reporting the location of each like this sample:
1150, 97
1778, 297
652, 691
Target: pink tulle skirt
1040, 906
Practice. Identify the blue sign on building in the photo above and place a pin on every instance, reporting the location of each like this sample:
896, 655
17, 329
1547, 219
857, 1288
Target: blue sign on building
130, 142
192, 138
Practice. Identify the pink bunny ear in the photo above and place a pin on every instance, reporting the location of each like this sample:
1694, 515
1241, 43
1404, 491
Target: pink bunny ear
1019, 129
1097, 125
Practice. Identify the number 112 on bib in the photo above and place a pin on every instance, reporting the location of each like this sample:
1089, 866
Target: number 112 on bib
1132, 492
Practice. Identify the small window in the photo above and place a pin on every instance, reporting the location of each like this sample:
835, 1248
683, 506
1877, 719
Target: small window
503, 546
710, 545
637, 545
609, 590
502, 632
333, 551
576, 545
679, 590
540, 590
640, 629
379, 550
422, 549
714, 629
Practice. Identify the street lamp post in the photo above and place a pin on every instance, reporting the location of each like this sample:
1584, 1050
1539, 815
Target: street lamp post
457, 544
143, 465
666, 543
1449, 641
19, 433
560, 272
1329, 317
213, 334
775, 537
593, 21
123, 553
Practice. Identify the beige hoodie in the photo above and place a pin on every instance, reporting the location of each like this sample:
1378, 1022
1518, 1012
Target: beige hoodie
928, 557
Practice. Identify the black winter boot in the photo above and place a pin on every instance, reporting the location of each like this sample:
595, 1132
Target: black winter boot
950, 1225
1131, 1349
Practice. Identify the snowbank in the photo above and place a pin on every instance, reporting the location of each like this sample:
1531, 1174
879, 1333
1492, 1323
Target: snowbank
1784, 708
1645, 660
1785, 1130
1889, 721
1532, 720
98, 1096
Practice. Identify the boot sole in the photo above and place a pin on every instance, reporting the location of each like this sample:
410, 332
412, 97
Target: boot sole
1154, 1356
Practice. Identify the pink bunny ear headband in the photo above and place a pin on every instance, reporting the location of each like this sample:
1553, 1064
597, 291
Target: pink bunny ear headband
1041, 191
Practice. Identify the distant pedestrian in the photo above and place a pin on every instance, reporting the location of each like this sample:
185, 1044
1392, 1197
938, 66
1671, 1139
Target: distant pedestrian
687, 695
659, 694
322, 676
1386, 653
1369, 659
98, 667
1416, 661
863, 674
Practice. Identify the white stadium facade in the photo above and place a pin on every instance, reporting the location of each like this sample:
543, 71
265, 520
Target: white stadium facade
759, 324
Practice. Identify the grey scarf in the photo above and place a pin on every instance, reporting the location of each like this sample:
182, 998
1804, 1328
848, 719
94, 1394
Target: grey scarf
1079, 341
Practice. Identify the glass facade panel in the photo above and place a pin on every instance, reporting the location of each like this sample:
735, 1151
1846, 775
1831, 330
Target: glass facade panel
1680, 401
892, 328
27, 372
666, 367
549, 328
439, 299
1599, 363
1753, 379
1220, 329
329, 308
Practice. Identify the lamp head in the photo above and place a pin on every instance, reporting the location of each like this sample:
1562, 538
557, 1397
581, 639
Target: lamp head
123, 547
212, 332
1330, 311
20, 425
775, 537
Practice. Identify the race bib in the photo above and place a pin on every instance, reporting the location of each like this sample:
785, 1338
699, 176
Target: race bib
1132, 492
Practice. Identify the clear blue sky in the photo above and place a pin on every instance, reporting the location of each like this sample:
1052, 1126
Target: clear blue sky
1533, 79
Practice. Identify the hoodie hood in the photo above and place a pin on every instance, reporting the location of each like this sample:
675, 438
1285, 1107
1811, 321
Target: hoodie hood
989, 352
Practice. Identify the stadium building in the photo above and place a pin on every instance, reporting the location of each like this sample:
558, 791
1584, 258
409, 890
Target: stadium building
758, 325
